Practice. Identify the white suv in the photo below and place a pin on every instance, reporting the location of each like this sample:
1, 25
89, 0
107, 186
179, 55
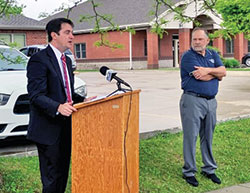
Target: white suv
14, 102
30, 50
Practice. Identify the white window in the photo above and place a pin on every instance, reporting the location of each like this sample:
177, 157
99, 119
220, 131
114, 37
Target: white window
18, 39
230, 46
80, 50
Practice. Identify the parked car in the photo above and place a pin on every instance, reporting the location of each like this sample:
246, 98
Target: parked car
30, 50
246, 59
14, 102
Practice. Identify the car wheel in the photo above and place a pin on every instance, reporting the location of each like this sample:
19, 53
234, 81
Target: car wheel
247, 61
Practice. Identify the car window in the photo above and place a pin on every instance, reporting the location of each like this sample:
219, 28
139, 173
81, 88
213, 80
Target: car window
68, 52
24, 51
11, 59
32, 51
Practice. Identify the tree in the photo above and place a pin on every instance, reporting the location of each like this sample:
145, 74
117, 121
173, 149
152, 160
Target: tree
235, 16
8, 7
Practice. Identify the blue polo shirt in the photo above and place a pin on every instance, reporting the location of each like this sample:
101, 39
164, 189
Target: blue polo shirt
190, 59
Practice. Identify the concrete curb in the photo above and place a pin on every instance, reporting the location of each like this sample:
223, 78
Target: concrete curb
241, 188
22, 154
150, 134
145, 135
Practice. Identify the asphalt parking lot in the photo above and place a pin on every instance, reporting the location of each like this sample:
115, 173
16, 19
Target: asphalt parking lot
161, 91
159, 100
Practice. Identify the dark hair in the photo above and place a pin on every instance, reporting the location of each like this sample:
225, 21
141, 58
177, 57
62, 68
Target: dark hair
54, 25
200, 28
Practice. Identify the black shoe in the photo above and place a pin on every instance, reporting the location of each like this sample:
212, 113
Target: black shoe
191, 180
213, 177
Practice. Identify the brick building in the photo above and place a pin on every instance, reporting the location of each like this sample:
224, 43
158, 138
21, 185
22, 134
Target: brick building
22, 30
140, 50
143, 49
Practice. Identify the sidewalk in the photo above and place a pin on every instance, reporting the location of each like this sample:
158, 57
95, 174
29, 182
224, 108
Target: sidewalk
161, 92
241, 188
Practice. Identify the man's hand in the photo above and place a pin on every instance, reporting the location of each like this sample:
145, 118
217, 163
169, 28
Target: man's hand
200, 72
206, 74
66, 109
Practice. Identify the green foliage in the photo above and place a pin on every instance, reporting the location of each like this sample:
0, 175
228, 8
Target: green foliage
231, 63
113, 45
105, 42
236, 16
217, 50
10, 7
156, 28
11, 60
214, 48
228, 63
98, 19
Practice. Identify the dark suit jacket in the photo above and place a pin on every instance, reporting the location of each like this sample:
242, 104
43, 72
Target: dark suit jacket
46, 93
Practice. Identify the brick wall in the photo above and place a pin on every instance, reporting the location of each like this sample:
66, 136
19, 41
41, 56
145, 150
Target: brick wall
184, 40
93, 52
36, 37
138, 43
153, 50
166, 44
32, 37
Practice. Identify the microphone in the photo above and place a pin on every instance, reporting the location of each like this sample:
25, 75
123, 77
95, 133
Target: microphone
110, 74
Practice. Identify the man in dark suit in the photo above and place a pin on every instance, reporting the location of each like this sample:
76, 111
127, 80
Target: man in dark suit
51, 94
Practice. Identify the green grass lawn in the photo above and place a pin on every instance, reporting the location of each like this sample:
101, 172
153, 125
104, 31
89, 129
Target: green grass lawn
160, 163
171, 69
238, 69
228, 69
161, 160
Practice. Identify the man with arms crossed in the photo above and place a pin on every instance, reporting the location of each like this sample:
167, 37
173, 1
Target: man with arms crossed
201, 71
51, 94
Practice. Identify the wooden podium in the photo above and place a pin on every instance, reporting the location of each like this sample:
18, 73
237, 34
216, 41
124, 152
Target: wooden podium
105, 145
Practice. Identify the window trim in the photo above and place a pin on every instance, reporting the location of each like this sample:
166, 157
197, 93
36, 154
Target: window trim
81, 50
231, 48
145, 46
12, 35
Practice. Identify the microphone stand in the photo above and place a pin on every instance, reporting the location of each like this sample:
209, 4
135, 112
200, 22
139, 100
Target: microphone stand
119, 88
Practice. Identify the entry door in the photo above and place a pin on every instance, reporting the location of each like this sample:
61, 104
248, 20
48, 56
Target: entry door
176, 53
175, 46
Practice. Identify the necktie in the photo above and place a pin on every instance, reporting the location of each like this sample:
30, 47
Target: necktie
63, 58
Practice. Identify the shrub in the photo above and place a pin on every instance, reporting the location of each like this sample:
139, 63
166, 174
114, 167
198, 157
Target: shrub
215, 49
231, 63
218, 51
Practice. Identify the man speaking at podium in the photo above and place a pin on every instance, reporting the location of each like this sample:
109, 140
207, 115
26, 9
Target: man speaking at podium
51, 94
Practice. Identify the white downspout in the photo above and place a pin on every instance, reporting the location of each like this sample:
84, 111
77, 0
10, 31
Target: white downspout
130, 52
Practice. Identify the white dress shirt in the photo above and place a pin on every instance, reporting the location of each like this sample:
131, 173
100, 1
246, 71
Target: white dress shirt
58, 57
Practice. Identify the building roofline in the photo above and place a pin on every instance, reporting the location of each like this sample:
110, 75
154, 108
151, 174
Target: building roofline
138, 25
22, 27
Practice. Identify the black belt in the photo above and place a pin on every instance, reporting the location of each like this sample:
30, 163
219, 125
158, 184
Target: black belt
199, 95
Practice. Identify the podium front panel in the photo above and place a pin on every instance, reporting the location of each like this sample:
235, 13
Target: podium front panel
105, 145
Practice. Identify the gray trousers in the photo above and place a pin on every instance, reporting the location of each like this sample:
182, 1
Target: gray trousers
198, 116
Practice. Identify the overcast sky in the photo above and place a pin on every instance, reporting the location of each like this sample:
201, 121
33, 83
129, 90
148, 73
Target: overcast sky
34, 7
